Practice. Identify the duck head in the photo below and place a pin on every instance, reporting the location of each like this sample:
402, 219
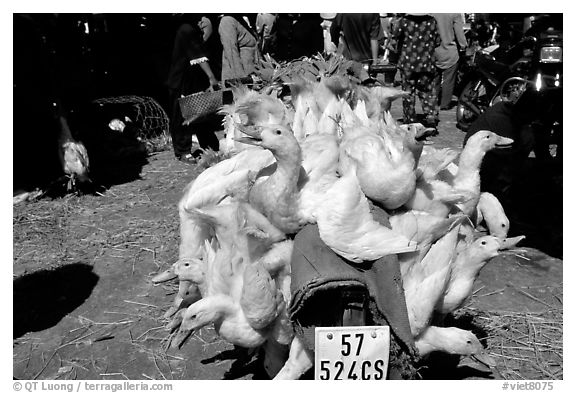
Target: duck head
488, 140
486, 247
191, 319
277, 138
418, 131
463, 342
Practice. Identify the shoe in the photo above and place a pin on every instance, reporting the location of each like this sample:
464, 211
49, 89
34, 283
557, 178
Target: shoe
197, 153
430, 122
187, 159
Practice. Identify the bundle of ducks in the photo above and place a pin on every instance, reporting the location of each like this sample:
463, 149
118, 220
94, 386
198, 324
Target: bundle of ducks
324, 160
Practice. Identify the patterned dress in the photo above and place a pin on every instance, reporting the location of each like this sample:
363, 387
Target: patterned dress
417, 38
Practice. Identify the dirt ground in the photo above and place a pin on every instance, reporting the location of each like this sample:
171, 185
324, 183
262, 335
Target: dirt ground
85, 306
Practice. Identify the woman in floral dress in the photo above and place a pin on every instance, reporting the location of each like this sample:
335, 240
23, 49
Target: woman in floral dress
417, 38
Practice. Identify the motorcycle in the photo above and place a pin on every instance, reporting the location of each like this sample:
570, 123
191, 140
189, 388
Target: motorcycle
530, 71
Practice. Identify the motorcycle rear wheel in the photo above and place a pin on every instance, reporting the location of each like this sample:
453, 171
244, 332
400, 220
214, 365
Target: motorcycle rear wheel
472, 102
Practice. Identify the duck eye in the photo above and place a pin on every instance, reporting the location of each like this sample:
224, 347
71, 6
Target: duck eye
468, 342
503, 225
278, 132
483, 242
186, 264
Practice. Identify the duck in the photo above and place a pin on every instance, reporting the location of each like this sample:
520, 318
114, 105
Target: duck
425, 282
490, 211
450, 340
248, 317
277, 196
377, 100
468, 176
385, 169
465, 269
228, 318
218, 184
242, 235
250, 108
346, 225
73, 156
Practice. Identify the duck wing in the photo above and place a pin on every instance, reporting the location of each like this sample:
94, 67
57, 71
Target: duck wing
346, 225
259, 299
426, 281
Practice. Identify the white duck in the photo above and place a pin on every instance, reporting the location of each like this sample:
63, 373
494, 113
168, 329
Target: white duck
346, 225
216, 185
465, 270
385, 168
491, 212
277, 196
251, 108
468, 176
73, 156
450, 340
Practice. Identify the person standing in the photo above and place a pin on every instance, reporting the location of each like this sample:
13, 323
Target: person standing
239, 46
451, 30
190, 72
417, 37
359, 34
357, 37
264, 28
298, 35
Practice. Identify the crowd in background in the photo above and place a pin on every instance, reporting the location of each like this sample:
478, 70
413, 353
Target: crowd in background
425, 47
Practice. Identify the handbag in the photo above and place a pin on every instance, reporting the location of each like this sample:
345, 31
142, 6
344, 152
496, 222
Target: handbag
196, 106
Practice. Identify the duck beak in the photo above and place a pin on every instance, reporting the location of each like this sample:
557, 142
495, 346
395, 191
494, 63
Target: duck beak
425, 133
184, 332
509, 242
253, 135
167, 275
503, 142
485, 359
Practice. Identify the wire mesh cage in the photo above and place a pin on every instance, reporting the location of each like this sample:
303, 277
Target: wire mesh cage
146, 113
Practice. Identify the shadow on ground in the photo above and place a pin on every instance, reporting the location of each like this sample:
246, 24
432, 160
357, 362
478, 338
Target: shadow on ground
535, 206
43, 298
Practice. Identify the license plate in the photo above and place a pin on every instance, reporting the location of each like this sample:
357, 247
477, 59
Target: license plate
352, 352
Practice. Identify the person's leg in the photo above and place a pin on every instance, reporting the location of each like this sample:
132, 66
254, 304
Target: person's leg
448, 81
429, 98
409, 101
181, 135
205, 132
438, 80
